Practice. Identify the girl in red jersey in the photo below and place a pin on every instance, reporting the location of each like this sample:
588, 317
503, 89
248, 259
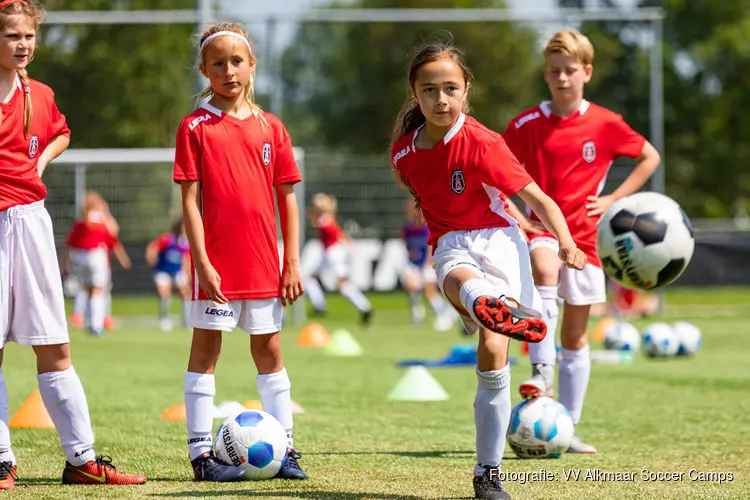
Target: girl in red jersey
231, 157
32, 133
567, 145
460, 174
322, 214
88, 246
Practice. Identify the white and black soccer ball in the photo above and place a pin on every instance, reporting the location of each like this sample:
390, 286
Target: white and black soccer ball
254, 441
623, 337
689, 337
660, 341
645, 241
540, 428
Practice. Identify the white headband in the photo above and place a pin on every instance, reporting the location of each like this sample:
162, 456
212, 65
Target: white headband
225, 33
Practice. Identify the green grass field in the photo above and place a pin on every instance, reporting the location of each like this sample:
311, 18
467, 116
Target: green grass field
672, 415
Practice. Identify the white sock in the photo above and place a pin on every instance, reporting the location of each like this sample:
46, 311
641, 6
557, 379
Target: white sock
200, 389
544, 352
108, 302
471, 290
491, 416
66, 404
437, 304
414, 298
574, 373
276, 398
97, 307
355, 296
6, 453
80, 303
186, 312
314, 292
164, 307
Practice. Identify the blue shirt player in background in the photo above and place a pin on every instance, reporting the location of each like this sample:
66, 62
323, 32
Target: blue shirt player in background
169, 255
418, 275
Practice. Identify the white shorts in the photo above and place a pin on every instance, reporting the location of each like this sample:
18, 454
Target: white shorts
499, 255
420, 275
253, 316
577, 288
335, 259
91, 267
165, 279
32, 307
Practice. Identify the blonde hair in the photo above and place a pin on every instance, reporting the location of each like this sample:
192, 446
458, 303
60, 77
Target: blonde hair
325, 203
570, 43
35, 12
234, 27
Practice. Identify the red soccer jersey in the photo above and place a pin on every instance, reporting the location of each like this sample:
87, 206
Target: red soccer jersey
464, 180
87, 235
238, 163
569, 158
19, 182
329, 232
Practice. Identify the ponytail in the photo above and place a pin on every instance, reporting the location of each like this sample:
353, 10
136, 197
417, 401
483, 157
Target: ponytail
27, 111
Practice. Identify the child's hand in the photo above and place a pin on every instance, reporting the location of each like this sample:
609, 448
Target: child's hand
210, 281
573, 257
598, 205
291, 283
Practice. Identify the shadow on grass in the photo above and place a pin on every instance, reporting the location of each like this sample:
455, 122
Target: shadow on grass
311, 495
414, 454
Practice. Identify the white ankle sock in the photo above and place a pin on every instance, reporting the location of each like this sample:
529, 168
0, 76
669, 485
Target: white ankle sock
6, 453
200, 389
491, 416
544, 352
276, 398
574, 374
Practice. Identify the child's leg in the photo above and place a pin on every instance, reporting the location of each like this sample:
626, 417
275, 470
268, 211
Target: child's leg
314, 292
200, 389
79, 307
354, 295
410, 280
6, 453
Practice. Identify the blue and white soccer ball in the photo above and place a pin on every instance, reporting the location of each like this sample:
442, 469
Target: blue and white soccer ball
660, 340
540, 428
254, 441
689, 337
623, 337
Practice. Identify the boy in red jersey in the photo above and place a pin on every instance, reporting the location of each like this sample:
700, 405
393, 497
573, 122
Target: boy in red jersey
322, 214
460, 174
230, 158
567, 145
33, 132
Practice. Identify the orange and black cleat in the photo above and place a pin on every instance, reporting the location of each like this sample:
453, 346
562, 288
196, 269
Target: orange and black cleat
99, 471
519, 323
7, 476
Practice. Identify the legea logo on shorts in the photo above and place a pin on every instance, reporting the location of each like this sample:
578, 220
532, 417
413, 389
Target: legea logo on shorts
228, 313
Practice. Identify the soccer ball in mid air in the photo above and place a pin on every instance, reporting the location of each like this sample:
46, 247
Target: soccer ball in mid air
660, 341
645, 241
623, 337
539, 428
254, 441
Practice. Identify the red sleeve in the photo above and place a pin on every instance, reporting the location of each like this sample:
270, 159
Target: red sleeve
58, 125
162, 242
187, 158
625, 140
285, 169
514, 142
500, 169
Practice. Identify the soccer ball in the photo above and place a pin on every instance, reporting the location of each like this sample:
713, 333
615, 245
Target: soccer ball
623, 337
254, 441
539, 428
660, 340
689, 337
645, 241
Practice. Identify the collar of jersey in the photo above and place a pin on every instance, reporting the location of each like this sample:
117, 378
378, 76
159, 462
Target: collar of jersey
448, 136
547, 111
13, 95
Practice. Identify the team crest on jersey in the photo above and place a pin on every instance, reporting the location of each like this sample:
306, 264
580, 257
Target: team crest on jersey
457, 181
589, 151
266, 153
33, 146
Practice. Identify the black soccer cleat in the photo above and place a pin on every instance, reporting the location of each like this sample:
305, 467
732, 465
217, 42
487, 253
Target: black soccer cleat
291, 469
366, 317
209, 468
489, 486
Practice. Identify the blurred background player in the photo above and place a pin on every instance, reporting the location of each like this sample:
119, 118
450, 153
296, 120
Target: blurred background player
88, 245
169, 256
419, 275
567, 145
81, 296
322, 215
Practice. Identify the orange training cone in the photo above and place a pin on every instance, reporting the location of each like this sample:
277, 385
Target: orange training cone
32, 414
599, 333
174, 412
313, 335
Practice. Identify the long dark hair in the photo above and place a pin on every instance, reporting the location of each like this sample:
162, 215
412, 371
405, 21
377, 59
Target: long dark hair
410, 116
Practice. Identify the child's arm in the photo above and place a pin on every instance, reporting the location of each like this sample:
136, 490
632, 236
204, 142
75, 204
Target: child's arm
152, 252
291, 276
526, 225
648, 162
122, 255
553, 219
208, 278
54, 149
